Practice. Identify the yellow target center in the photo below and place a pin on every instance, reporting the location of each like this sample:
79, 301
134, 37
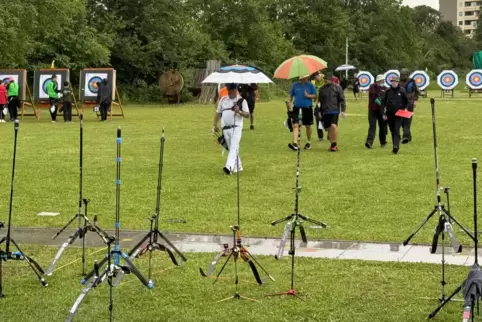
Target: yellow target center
447, 79
477, 78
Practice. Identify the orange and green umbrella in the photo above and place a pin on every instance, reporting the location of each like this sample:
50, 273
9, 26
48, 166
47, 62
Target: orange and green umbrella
299, 66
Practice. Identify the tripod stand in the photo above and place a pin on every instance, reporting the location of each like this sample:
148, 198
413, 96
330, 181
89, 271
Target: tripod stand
154, 234
294, 221
8, 240
445, 218
112, 269
84, 225
238, 250
466, 285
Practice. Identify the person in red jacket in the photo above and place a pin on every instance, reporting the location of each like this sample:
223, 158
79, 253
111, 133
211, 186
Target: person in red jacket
3, 101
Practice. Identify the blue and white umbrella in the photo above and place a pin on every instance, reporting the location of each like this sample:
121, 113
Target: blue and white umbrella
344, 68
238, 74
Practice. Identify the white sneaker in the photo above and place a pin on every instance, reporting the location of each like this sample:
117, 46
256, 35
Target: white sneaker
53, 122
2, 121
240, 170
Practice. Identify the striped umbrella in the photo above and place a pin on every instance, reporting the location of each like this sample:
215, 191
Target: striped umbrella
299, 66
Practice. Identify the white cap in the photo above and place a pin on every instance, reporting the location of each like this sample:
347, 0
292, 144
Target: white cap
379, 78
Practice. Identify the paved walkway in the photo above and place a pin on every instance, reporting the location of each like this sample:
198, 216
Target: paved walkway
203, 243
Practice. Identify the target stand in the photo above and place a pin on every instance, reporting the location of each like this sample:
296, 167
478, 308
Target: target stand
474, 82
24, 93
447, 80
42, 79
89, 77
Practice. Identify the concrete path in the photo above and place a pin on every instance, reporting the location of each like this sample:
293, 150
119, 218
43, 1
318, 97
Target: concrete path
204, 243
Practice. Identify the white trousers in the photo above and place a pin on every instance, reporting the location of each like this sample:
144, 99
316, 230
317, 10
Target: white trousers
233, 137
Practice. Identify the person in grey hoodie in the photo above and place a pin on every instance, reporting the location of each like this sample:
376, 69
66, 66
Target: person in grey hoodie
104, 99
332, 101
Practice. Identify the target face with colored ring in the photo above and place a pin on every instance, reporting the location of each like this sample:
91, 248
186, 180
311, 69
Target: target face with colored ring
365, 79
474, 79
389, 75
93, 84
447, 80
44, 80
45, 84
91, 80
421, 78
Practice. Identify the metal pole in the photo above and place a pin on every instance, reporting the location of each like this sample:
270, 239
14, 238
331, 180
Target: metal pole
346, 58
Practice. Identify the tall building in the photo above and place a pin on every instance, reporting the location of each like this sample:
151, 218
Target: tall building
464, 14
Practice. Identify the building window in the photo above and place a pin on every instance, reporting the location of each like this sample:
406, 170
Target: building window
461, 23
461, 4
461, 13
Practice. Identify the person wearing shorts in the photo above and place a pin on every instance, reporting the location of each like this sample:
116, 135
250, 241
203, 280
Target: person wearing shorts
301, 98
332, 101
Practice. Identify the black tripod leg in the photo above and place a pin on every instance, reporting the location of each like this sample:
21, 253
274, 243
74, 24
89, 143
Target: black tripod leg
93, 272
438, 230
315, 222
303, 234
65, 227
172, 246
405, 243
2, 258
222, 268
136, 271
260, 266
136, 249
33, 265
168, 251
431, 315
279, 221
213, 264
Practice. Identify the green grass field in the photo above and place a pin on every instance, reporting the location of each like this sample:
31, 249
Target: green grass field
361, 194
334, 290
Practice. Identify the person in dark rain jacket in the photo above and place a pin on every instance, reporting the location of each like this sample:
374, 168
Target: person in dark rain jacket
413, 94
395, 99
104, 99
375, 114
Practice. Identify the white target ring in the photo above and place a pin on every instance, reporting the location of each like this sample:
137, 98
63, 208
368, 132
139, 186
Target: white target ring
447, 80
365, 79
389, 75
474, 79
421, 78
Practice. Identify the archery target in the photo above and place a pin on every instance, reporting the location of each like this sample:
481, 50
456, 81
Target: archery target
421, 78
389, 75
474, 79
89, 79
44, 81
43, 77
447, 80
19, 76
365, 79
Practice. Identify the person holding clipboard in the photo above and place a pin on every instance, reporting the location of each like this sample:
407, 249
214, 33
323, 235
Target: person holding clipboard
394, 104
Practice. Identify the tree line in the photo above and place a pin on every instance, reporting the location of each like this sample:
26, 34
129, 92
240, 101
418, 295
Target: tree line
141, 38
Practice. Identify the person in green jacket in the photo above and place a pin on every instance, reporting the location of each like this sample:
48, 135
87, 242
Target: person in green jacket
13, 101
53, 92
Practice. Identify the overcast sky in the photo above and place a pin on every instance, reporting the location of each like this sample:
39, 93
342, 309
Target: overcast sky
413, 3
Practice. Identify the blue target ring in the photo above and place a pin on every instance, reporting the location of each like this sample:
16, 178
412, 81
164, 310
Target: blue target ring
474, 79
420, 79
93, 84
365, 79
45, 84
447, 80
389, 75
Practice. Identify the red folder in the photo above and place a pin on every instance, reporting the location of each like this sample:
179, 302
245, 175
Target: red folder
404, 113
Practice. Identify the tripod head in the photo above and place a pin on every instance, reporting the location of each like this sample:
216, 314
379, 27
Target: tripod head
432, 101
474, 163
16, 125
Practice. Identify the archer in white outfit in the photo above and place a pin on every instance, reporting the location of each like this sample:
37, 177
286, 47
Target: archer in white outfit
231, 110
